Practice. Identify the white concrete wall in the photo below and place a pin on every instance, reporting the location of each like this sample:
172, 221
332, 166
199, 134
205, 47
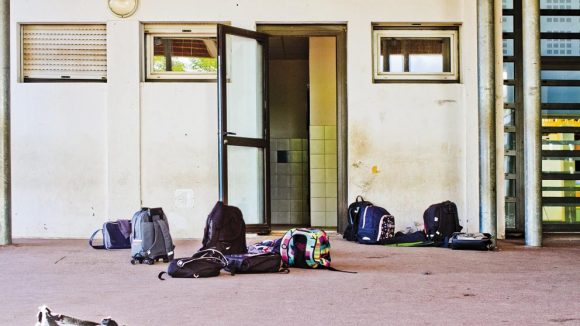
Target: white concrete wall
87, 152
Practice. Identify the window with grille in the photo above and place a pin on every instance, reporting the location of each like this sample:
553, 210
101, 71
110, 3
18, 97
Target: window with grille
63, 52
180, 52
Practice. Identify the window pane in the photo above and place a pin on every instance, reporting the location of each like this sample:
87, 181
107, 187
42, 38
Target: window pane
560, 47
561, 214
508, 47
560, 24
509, 118
510, 215
246, 182
508, 24
560, 94
187, 55
508, 70
508, 4
560, 75
417, 55
425, 63
559, 4
509, 140
396, 63
245, 110
510, 188
509, 94
509, 164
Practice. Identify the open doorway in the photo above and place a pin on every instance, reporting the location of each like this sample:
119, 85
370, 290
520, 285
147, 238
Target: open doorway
306, 94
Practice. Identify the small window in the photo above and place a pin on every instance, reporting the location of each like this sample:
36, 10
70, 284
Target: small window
181, 52
415, 54
63, 52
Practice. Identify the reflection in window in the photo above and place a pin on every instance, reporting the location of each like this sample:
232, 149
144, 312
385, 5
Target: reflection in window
560, 94
508, 24
415, 55
559, 4
509, 117
510, 188
560, 75
509, 163
560, 47
560, 24
509, 94
508, 70
509, 140
190, 55
178, 51
508, 47
396, 63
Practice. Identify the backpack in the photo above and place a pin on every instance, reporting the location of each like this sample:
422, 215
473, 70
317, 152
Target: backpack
441, 221
375, 224
471, 241
354, 210
205, 263
225, 230
305, 248
116, 235
255, 263
150, 237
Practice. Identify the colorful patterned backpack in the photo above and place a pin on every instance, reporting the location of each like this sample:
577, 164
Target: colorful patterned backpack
305, 248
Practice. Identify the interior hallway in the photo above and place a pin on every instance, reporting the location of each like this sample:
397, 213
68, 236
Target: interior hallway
394, 286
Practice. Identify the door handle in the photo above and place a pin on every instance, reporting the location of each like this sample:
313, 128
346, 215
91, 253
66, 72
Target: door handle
228, 133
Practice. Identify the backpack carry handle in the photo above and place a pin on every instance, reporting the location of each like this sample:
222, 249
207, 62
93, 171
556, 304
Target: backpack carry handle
93, 238
361, 199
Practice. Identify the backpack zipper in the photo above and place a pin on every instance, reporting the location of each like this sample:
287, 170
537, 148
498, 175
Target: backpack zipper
365, 217
380, 227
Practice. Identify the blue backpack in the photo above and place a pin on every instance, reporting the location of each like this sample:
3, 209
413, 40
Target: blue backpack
375, 224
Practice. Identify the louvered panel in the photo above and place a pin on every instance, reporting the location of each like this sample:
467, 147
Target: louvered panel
64, 52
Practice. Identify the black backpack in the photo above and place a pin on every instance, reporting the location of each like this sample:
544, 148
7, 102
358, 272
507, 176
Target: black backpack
225, 230
441, 221
255, 263
204, 263
354, 211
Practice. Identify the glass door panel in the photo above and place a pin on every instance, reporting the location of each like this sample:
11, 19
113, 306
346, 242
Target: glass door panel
243, 124
244, 87
246, 182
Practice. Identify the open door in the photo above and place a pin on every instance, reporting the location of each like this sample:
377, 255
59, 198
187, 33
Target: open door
243, 124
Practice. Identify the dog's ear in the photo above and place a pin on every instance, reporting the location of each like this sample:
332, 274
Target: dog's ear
43, 311
108, 322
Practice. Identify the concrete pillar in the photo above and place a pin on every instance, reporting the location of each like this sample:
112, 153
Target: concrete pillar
532, 121
486, 92
123, 118
5, 198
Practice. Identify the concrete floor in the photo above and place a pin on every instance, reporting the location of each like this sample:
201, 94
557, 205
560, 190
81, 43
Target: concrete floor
394, 286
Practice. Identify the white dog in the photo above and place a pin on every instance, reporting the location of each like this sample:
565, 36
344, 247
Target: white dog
46, 318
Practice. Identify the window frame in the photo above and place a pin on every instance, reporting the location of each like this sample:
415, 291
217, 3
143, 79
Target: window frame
52, 76
176, 31
451, 32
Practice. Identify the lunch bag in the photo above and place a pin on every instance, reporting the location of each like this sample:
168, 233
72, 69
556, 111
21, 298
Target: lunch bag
116, 235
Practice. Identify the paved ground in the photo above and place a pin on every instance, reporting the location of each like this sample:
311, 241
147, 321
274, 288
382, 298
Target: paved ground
394, 286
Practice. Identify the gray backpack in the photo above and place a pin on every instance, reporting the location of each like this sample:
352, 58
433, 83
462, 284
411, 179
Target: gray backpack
150, 238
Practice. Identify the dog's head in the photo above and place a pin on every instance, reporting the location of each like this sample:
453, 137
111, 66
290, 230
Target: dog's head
46, 318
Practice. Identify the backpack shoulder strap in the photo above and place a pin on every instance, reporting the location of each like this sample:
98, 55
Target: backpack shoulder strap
287, 258
317, 247
166, 236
